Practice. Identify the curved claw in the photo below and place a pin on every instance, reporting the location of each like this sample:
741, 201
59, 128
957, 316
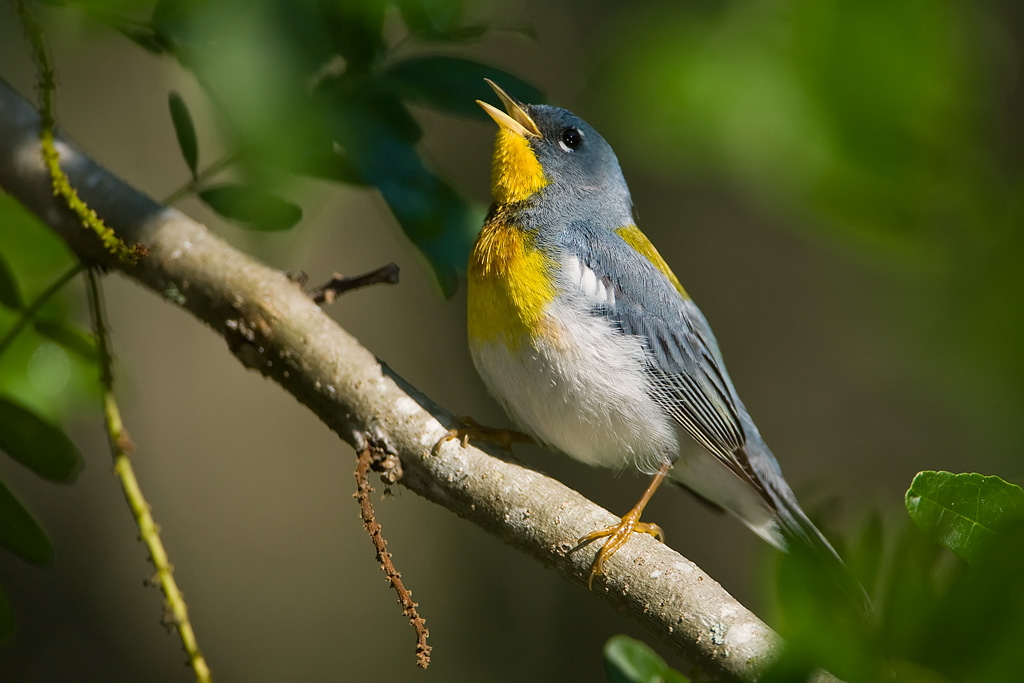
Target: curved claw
453, 434
470, 428
617, 536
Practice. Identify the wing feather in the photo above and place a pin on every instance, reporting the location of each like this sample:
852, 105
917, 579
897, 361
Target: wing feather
689, 380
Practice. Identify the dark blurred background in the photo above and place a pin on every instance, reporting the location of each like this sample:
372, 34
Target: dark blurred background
837, 183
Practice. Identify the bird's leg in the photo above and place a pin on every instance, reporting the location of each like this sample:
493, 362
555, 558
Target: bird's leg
618, 534
471, 429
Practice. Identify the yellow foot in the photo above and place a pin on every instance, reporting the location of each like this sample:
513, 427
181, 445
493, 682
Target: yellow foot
471, 429
617, 535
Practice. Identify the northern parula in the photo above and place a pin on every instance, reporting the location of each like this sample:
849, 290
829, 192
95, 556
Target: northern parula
582, 332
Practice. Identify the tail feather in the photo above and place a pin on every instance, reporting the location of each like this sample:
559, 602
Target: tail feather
797, 528
766, 505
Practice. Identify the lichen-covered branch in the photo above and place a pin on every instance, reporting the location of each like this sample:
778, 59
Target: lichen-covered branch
270, 325
48, 152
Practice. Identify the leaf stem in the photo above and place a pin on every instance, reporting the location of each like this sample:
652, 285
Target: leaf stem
210, 170
121, 446
30, 312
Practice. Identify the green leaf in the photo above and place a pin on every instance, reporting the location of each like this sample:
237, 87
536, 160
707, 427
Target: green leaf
627, 660
10, 294
324, 161
254, 208
37, 444
19, 531
355, 29
439, 222
6, 618
453, 84
127, 22
70, 336
185, 130
372, 109
145, 37
964, 512
439, 20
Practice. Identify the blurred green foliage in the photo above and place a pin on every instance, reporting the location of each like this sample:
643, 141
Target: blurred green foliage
46, 369
37, 444
251, 206
20, 533
185, 131
627, 660
865, 112
893, 126
936, 617
323, 89
45, 361
10, 292
33, 257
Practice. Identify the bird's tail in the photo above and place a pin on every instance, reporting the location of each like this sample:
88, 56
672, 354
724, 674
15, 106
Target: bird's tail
759, 497
802, 535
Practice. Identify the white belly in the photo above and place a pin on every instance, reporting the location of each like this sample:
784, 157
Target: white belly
580, 388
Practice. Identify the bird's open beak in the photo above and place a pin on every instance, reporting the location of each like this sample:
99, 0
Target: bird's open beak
516, 120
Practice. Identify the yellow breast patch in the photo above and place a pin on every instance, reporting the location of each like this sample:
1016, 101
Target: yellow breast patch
636, 239
510, 284
515, 172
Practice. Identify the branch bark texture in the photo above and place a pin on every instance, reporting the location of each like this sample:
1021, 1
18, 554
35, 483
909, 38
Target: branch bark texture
271, 326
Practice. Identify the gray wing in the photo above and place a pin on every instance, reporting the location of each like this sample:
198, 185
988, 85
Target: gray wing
690, 381
689, 378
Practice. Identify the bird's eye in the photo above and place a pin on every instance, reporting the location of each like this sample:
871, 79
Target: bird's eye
571, 138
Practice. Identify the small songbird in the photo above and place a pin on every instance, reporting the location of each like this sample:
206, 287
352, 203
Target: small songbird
585, 336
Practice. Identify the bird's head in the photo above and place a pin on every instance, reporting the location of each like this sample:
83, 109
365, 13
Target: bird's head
548, 150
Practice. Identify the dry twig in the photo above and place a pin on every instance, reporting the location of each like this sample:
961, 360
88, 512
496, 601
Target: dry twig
366, 460
339, 284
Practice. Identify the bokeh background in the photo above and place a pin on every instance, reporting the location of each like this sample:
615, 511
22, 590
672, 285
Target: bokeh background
838, 184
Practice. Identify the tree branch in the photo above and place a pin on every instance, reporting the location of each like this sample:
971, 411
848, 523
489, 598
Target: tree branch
271, 326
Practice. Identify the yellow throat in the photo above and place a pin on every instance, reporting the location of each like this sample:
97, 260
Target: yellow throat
515, 172
510, 281
510, 285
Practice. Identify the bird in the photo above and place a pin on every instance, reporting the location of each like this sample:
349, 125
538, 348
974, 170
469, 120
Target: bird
590, 343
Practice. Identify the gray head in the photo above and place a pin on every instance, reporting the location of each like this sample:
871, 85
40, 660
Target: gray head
554, 161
